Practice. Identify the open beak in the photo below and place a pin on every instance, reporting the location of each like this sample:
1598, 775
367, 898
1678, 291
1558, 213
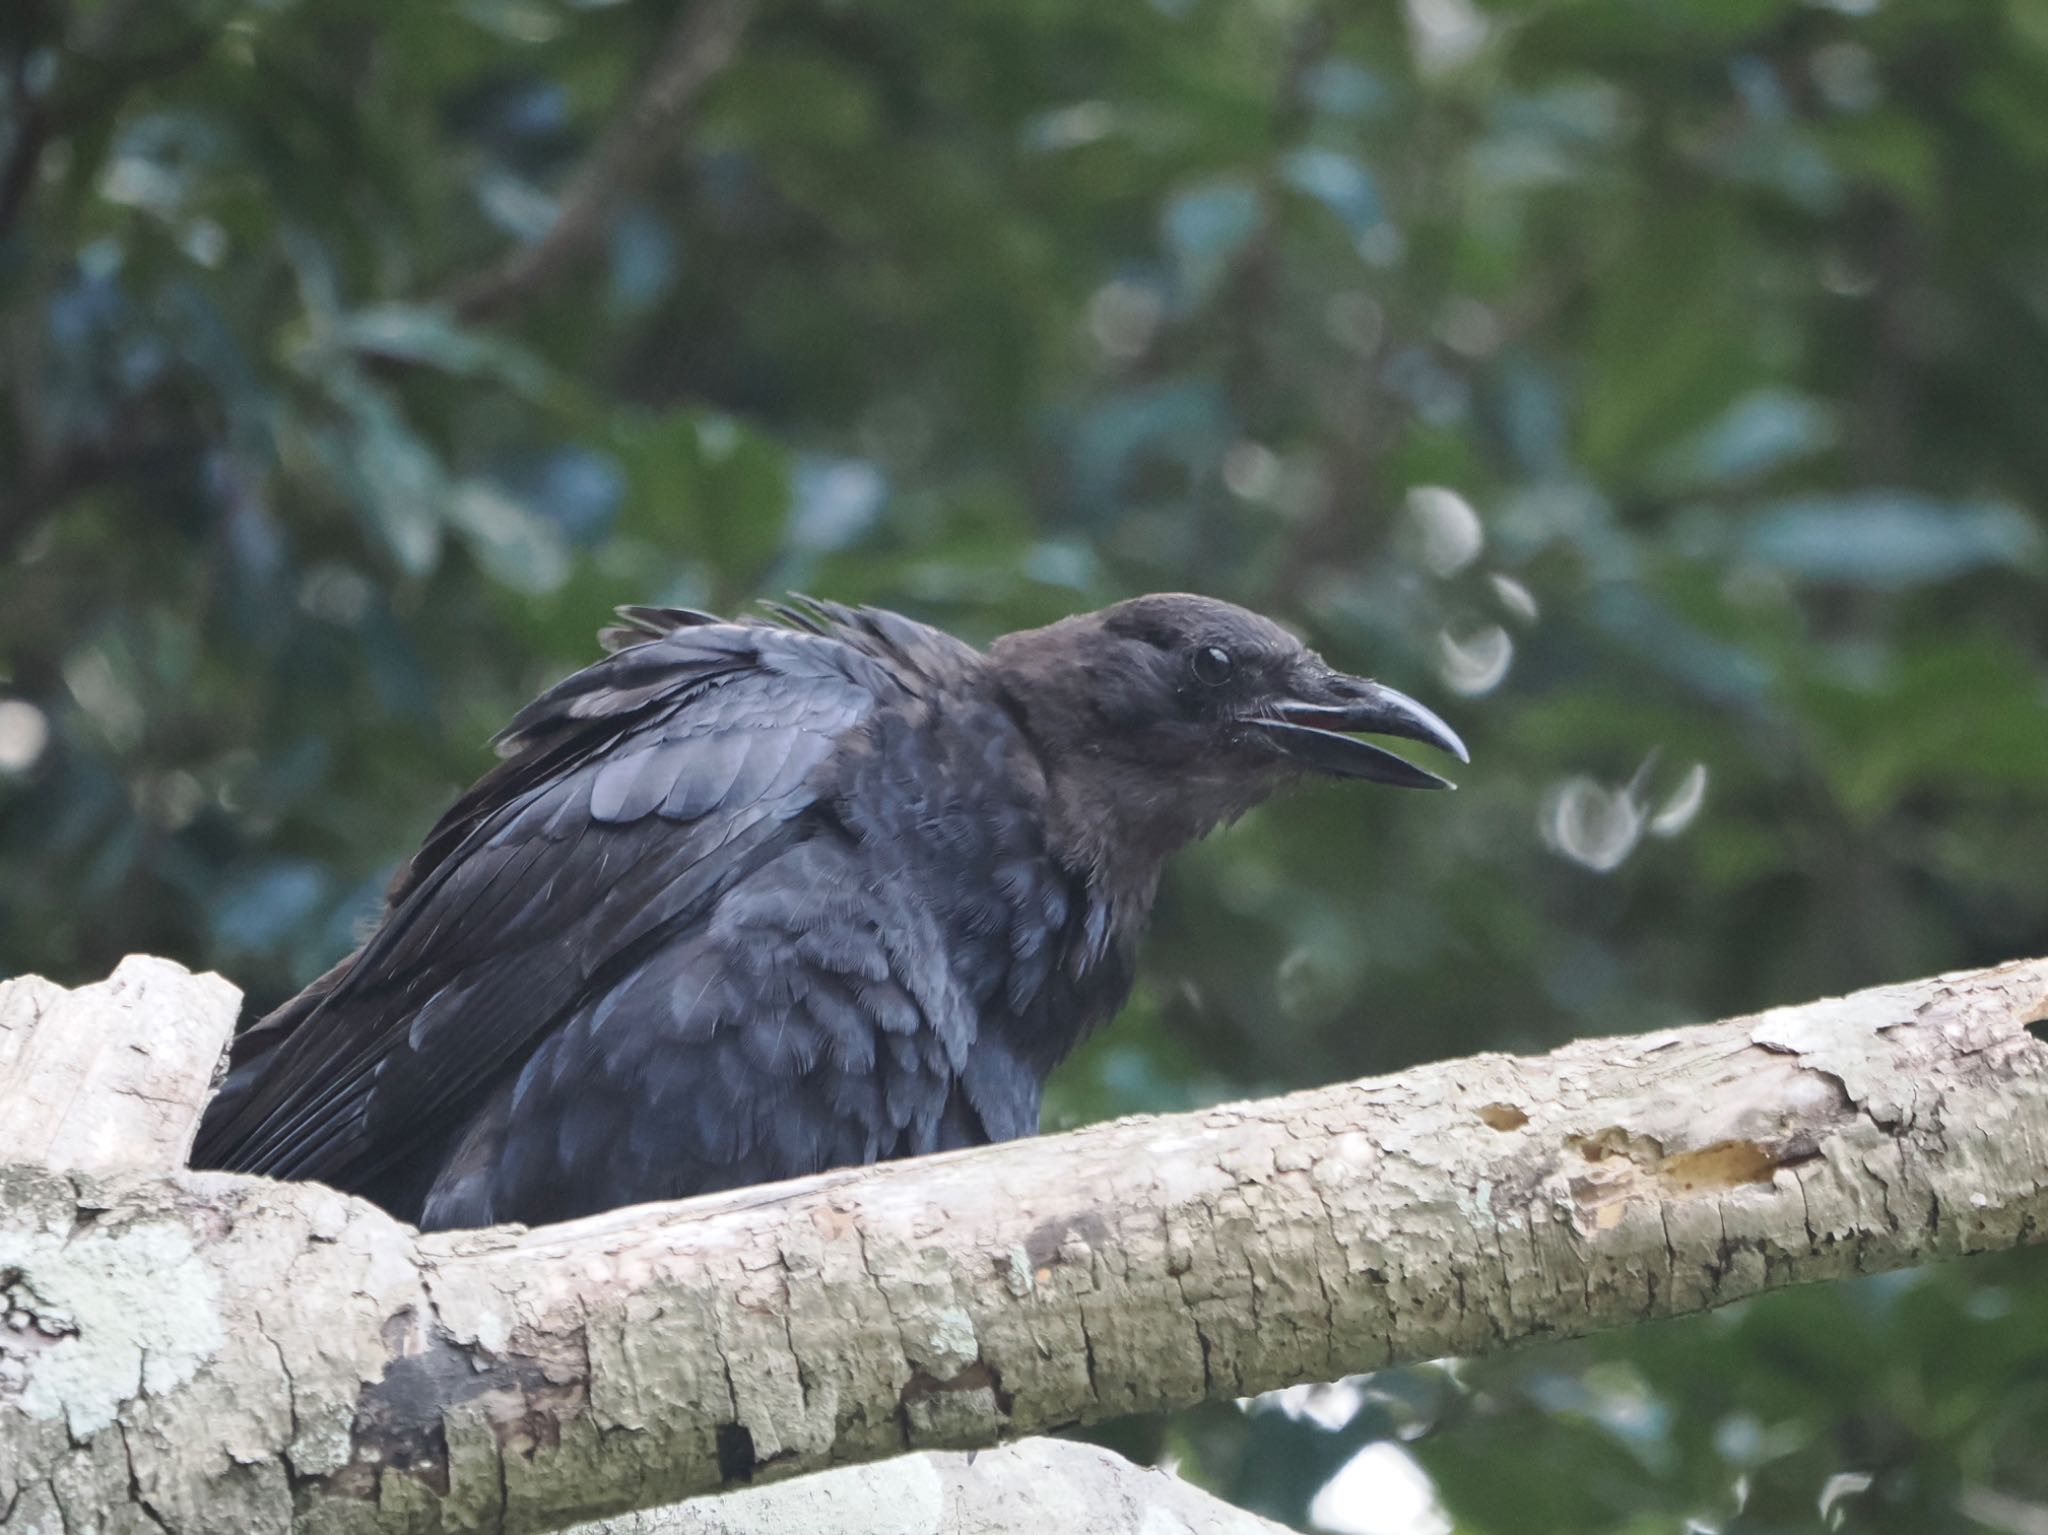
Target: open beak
1321, 731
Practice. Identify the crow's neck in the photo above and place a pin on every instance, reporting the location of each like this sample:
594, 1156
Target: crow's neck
1111, 821
1116, 833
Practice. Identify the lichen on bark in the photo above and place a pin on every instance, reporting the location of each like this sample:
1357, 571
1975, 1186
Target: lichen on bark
300, 1361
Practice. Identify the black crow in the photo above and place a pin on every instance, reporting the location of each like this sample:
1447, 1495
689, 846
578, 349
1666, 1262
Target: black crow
747, 900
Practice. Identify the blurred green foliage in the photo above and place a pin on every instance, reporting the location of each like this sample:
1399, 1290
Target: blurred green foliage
1664, 375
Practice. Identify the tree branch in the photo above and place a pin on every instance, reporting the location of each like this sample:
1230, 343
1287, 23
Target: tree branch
1033, 1488
40, 119
698, 48
234, 1353
108, 1078
31, 135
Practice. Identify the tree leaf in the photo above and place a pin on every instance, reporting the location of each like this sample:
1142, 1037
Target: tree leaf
1889, 539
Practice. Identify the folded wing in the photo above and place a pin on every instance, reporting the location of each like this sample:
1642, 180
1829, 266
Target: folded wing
635, 794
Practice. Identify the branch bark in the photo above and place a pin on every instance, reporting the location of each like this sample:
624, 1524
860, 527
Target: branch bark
113, 1077
1039, 1486
215, 1351
697, 50
108, 1078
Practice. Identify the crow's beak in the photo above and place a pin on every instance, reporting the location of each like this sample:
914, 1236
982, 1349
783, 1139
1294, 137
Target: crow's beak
1320, 728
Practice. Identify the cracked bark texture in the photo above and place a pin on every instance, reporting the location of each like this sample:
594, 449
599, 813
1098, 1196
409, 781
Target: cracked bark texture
200, 1351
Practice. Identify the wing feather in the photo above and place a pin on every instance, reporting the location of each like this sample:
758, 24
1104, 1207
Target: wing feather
635, 791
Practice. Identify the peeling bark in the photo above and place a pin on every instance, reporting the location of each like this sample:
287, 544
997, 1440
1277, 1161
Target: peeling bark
200, 1351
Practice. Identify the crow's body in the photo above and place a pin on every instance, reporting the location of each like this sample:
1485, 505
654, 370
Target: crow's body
749, 900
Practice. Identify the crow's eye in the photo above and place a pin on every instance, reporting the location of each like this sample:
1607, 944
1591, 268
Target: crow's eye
1211, 665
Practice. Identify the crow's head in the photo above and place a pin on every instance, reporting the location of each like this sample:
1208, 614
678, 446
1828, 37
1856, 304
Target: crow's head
1164, 716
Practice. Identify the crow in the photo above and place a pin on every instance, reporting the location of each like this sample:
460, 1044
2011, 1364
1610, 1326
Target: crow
747, 900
